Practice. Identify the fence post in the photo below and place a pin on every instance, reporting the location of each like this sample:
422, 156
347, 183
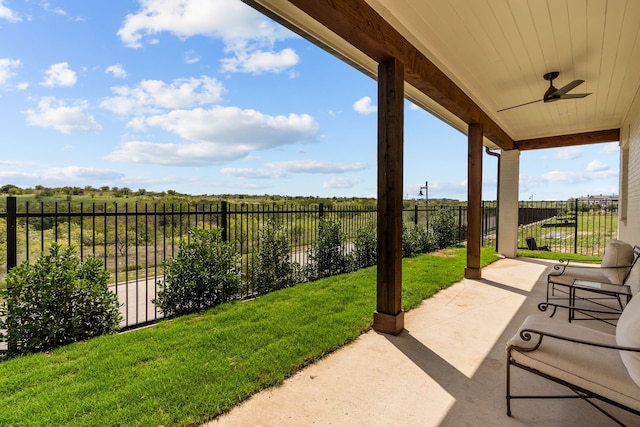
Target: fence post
224, 222
321, 210
12, 256
575, 231
12, 238
460, 236
483, 226
415, 214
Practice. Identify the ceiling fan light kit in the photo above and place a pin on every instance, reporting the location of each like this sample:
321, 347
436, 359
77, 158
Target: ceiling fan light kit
552, 94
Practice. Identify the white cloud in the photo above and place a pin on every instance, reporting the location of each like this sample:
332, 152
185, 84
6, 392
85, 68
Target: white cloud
233, 21
16, 164
611, 148
176, 154
79, 173
260, 61
152, 95
59, 11
363, 106
567, 153
285, 168
252, 173
233, 126
55, 10
59, 75
55, 114
314, 166
191, 57
221, 134
341, 183
596, 165
248, 35
7, 67
32, 174
595, 171
117, 71
8, 14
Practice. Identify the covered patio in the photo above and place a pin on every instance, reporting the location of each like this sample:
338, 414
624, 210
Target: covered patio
447, 368
487, 68
468, 62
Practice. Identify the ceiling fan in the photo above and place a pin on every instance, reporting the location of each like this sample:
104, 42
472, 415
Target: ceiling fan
552, 94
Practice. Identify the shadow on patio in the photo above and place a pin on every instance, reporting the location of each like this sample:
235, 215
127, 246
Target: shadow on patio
448, 367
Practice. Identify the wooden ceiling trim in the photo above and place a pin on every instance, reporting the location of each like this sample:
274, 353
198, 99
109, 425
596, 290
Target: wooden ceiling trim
360, 25
610, 135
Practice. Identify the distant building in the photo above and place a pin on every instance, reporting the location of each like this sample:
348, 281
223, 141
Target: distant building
598, 200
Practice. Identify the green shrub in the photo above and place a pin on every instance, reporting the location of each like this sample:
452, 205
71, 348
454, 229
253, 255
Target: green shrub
274, 269
416, 241
205, 273
326, 257
56, 301
365, 252
444, 228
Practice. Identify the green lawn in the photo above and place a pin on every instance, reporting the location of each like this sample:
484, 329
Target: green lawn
187, 370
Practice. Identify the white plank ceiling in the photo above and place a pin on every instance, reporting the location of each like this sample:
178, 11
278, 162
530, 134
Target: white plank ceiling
498, 51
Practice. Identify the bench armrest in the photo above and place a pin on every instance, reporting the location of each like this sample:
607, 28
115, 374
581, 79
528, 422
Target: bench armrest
528, 335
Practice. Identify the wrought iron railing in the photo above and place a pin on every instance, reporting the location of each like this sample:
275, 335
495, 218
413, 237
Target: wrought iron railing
133, 240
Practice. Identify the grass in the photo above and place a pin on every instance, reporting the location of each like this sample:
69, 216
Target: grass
559, 256
190, 369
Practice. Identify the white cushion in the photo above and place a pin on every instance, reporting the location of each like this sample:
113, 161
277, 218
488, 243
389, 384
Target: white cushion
597, 369
628, 335
617, 254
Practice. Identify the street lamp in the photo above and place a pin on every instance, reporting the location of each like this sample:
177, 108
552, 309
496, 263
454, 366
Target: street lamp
426, 199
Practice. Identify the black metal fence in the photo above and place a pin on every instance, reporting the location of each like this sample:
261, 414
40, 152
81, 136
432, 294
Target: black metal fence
133, 240
576, 226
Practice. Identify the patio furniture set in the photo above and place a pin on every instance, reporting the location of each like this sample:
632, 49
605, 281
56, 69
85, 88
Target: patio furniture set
593, 364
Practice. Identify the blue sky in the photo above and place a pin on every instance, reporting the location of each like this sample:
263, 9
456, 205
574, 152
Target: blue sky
210, 97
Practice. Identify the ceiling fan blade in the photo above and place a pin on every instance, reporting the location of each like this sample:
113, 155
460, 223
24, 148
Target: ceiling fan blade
566, 88
519, 105
574, 95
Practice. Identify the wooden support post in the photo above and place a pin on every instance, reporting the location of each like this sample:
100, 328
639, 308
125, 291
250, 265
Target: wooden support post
474, 202
389, 317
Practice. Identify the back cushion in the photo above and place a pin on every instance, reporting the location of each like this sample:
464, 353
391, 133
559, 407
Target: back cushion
627, 335
616, 254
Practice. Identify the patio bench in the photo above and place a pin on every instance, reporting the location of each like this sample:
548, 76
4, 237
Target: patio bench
595, 365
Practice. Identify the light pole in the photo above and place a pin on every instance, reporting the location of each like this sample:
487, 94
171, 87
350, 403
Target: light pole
426, 199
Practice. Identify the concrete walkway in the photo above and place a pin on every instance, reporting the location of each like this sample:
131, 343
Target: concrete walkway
446, 369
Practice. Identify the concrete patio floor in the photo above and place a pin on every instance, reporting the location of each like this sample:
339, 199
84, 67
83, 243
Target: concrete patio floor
446, 369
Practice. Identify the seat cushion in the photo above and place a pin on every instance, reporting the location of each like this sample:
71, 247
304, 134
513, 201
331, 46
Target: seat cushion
617, 254
584, 272
599, 370
628, 335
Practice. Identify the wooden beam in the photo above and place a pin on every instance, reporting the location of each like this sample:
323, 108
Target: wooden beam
610, 135
389, 317
474, 202
360, 25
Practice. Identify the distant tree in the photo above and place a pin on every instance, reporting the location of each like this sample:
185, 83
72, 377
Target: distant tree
7, 188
